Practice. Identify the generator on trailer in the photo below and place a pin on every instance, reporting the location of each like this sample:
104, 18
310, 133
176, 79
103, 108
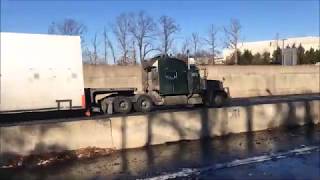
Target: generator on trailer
40, 72
45, 72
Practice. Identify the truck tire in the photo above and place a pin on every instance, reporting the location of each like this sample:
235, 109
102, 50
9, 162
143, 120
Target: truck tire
143, 104
122, 105
219, 99
215, 99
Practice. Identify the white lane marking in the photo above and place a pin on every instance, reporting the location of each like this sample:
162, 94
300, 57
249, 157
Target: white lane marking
189, 171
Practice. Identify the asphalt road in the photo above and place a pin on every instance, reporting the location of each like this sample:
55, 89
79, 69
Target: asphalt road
280, 153
61, 116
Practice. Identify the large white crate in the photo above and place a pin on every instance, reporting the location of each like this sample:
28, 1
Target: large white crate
37, 70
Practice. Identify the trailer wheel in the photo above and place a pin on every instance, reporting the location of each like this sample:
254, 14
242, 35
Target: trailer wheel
143, 104
122, 105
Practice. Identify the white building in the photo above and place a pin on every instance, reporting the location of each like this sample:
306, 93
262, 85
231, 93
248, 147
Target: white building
271, 45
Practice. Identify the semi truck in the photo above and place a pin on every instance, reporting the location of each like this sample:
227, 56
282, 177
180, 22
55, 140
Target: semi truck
45, 72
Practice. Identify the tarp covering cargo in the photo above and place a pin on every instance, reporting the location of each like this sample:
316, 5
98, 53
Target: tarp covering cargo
40, 72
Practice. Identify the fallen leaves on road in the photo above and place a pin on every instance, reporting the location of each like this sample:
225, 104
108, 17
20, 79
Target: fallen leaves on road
56, 157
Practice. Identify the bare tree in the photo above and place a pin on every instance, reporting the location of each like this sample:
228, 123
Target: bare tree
142, 28
185, 47
232, 33
112, 50
121, 31
67, 27
168, 28
195, 39
105, 44
109, 44
94, 56
183, 52
86, 53
134, 52
211, 41
71, 27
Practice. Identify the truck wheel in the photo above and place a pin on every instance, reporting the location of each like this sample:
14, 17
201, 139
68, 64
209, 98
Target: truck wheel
122, 105
143, 104
219, 100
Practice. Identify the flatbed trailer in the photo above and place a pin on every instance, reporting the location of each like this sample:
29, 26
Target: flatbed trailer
92, 104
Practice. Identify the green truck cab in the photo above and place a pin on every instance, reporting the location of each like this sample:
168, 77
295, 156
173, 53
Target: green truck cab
168, 80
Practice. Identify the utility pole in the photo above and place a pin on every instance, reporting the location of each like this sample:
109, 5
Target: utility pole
282, 55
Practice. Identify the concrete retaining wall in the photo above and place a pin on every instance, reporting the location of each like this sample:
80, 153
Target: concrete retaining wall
106, 76
242, 81
248, 81
154, 128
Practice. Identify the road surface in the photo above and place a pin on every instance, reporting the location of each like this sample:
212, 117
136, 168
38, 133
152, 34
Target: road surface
61, 116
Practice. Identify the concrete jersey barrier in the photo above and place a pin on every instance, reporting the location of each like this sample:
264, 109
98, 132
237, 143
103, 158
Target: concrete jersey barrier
154, 128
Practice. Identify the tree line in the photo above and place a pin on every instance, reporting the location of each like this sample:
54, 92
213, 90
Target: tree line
136, 35
246, 57
133, 37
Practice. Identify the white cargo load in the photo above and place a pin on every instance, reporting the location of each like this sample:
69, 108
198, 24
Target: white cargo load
40, 72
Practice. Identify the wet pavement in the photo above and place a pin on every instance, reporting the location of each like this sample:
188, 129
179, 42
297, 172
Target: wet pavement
161, 160
296, 166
